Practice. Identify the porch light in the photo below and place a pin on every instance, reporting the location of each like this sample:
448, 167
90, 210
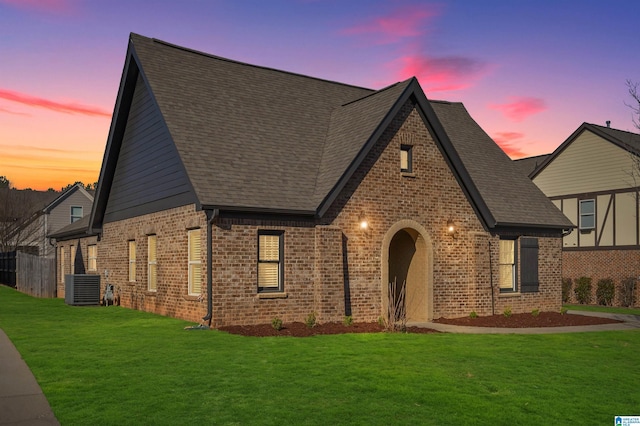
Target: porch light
364, 222
451, 228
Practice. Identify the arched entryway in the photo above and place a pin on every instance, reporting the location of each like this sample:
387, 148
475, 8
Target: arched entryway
407, 259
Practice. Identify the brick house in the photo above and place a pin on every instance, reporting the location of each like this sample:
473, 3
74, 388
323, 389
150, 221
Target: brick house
593, 178
237, 194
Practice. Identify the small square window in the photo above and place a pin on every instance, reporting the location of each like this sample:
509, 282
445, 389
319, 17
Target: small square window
76, 213
406, 159
587, 214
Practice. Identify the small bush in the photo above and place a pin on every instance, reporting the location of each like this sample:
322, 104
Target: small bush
382, 322
535, 312
507, 312
473, 314
310, 321
583, 290
276, 323
563, 310
627, 291
567, 283
605, 291
347, 321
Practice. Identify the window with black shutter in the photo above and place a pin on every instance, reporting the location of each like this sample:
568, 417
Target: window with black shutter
528, 265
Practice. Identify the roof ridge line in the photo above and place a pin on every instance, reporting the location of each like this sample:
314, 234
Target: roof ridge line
234, 61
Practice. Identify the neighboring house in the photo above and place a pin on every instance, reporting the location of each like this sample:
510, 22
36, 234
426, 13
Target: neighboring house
240, 193
71, 206
77, 251
593, 177
20, 211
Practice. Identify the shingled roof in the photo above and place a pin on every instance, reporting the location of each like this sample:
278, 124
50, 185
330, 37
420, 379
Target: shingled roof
258, 139
626, 140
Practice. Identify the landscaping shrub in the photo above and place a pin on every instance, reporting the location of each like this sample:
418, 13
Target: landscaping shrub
582, 290
627, 292
473, 314
535, 312
605, 291
276, 323
348, 320
310, 321
566, 289
507, 312
563, 310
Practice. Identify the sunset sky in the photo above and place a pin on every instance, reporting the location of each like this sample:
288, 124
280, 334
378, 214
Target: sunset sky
529, 72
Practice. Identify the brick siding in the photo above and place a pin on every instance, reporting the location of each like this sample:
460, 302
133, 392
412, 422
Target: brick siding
332, 267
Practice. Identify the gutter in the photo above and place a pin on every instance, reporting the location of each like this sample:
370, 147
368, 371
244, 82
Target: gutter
211, 215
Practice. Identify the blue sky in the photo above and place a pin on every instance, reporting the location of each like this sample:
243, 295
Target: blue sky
529, 72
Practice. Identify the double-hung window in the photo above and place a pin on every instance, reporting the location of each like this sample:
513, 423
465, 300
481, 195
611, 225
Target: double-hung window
270, 261
93, 257
587, 214
195, 262
507, 264
73, 259
62, 254
132, 261
152, 263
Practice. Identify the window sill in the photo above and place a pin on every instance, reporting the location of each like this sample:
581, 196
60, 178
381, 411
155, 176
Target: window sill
508, 294
151, 292
408, 174
272, 295
192, 297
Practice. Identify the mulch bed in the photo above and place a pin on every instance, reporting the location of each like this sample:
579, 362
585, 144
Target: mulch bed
543, 319
298, 329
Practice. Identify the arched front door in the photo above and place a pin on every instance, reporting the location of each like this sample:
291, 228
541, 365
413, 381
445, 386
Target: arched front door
408, 265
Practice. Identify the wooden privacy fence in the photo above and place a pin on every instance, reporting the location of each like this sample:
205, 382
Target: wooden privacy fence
35, 275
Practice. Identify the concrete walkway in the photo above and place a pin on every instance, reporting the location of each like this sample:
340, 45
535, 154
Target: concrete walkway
22, 402
631, 322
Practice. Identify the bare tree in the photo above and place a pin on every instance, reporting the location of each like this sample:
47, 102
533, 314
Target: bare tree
20, 215
634, 92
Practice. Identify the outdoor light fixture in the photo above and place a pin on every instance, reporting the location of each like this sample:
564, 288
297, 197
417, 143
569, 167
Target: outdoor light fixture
451, 228
364, 223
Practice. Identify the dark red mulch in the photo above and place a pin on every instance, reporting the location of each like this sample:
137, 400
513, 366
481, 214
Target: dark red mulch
298, 329
544, 319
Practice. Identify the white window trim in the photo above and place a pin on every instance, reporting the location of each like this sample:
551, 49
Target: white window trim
194, 263
152, 263
582, 215
76, 217
92, 260
132, 260
62, 256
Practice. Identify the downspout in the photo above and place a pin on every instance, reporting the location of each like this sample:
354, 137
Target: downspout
55, 267
211, 215
493, 297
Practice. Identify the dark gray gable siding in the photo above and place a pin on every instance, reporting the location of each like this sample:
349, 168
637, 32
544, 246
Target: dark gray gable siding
149, 175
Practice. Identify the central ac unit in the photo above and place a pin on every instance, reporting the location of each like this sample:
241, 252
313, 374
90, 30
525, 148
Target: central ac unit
82, 289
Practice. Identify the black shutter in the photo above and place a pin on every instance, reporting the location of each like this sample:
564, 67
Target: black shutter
528, 265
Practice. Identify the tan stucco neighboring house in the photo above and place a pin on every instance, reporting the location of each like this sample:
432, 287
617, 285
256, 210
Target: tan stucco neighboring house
234, 194
594, 179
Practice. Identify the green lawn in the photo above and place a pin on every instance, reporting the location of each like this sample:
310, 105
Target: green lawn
594, 308
117, 366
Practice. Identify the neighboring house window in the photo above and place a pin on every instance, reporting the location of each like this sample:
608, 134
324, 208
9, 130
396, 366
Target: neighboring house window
73, 259
528, 265
406, 158
507, 263
195, 262
93, 257
587, 214
132, 261
62, 253
76, 213
270, 261
152, 277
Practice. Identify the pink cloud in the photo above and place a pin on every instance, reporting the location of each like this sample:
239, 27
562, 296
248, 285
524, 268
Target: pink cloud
400, 24
506, 141
68, 108
520, 107
439, 74
56, 6
8, 111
